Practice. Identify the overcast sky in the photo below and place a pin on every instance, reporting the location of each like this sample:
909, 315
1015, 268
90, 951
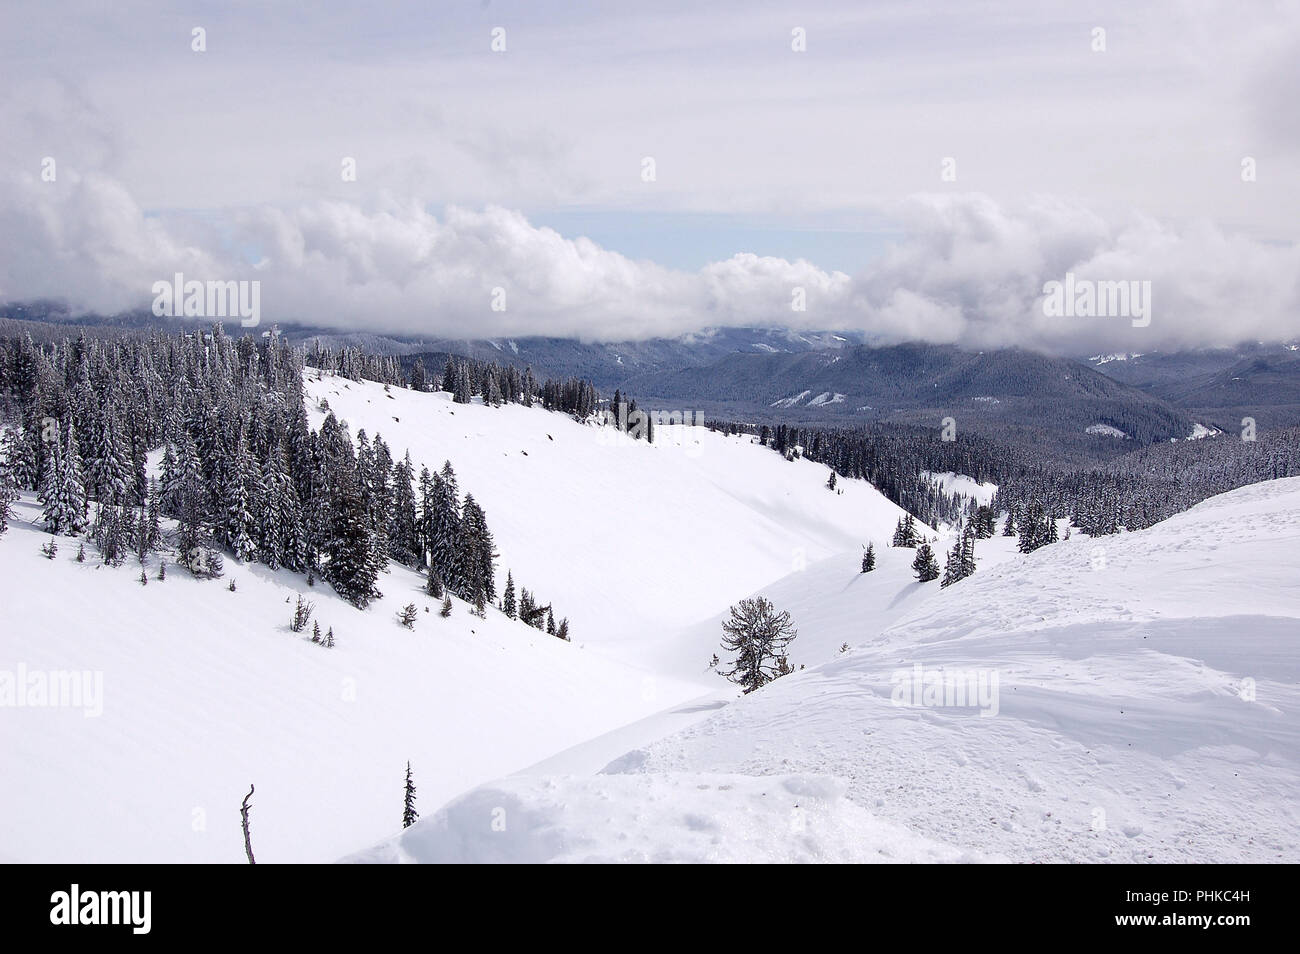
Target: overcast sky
774, 168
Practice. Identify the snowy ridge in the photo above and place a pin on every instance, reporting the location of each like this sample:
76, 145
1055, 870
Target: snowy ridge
1148, 709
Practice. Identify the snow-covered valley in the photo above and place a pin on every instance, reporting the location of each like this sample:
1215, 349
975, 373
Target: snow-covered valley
1145, 710
1139, 691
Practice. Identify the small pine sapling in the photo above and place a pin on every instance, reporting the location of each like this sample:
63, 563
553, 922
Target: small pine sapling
408, 615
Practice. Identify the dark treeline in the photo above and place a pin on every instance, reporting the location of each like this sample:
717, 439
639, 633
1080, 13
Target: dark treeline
464, 378
241, 469
1154, 482
891, 457
1131, 492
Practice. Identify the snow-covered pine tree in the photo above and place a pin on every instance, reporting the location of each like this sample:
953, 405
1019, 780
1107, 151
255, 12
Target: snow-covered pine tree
409, 815
407, 615
403, 538
968, 553
112, 532
444, 530
62, 489
9, 493
509, 605
109, 474
271, 532
351, 569
869, 558
952, 566
425, 520
476, 555
925, 565
301, 615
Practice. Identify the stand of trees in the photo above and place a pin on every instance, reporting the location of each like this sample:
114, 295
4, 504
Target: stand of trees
1131, 492
241, 470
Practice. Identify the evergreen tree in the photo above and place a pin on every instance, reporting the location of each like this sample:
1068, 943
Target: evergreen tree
408, 615
508, 604
409, 815
446, 607
925, 565
425, 521
758, 635
444, 530
477, 553
403, 535
241, 494
419, 378
9, 493
351, 568
952, 566
62, 488
109, 472
905, 534
869, 558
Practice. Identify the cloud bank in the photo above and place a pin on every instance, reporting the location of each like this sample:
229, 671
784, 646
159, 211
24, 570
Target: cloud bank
968, 270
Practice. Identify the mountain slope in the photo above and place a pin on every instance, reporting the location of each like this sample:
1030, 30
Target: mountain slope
1218, 387
1147, 709
629, 540
1001, 391
205, 691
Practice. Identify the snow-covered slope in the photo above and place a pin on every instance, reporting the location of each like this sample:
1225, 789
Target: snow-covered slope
950, 483
1142, 704
630, 540
206, 690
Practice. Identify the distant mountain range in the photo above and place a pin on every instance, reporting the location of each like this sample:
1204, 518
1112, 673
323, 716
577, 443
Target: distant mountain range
1095, 404
1219, 386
